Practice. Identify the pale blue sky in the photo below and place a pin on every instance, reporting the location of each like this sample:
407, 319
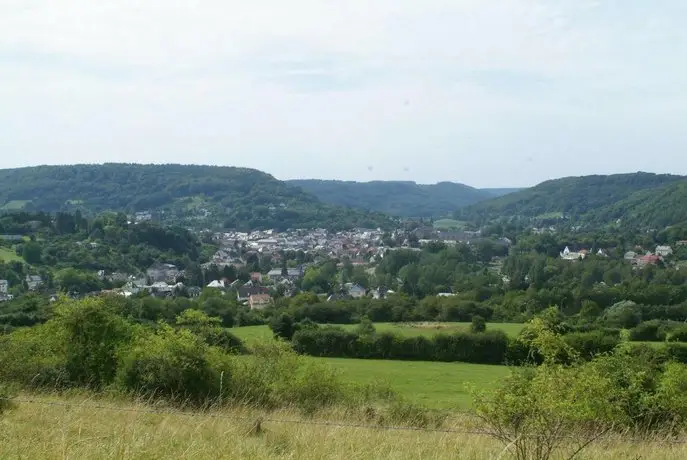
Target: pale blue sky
485, 92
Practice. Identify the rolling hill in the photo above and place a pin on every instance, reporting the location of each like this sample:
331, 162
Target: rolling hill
398, 198
186, 194
595, 198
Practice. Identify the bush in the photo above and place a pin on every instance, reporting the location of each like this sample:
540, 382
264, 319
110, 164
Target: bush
210, 331
676, 352
679, 334
649, 331
590, 344
283, 326
486, 348
93, 334
35, 357
274, 376
478, 324
172, 364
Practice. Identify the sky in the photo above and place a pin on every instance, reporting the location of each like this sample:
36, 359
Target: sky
492, 93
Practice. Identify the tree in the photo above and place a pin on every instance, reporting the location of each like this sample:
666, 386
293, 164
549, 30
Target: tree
366, 328
479, 324
283, 326
32, 252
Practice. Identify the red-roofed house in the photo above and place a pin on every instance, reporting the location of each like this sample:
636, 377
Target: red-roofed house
648, 260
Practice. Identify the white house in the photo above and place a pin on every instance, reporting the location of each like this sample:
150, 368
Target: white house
4, 286
567, 254
218, 284
663, 251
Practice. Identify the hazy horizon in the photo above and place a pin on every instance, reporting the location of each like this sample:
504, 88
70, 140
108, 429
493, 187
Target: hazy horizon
490, 94
276, 176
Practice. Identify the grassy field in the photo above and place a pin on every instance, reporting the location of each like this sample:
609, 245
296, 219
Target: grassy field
8, 255
80, 427
431, 384
449, 224
14, 205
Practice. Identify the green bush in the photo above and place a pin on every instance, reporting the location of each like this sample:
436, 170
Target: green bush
94, 334
172, 364
35, 357
650, 331
478, 324
283, 326
274, 376
210, 330
487, 347
590, 344
679, 334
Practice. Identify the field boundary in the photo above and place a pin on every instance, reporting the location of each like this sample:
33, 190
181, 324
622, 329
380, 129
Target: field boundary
260, 420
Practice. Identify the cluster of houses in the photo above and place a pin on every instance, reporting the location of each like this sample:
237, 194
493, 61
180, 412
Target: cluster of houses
33, 283
357, 245
649, 258
4, 291
636, 259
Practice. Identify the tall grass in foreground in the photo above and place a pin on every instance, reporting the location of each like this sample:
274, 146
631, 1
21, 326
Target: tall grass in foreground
39, 430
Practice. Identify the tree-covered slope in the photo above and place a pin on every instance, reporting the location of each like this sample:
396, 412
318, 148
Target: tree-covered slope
398, 198
569, 196
652, 208
237, 197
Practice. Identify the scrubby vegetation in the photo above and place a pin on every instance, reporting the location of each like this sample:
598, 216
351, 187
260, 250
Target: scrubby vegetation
89, 344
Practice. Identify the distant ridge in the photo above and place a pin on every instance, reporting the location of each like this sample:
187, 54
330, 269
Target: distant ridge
398, 198
185, 194
642, 199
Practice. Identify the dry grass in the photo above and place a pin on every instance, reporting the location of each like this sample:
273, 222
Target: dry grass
81, 432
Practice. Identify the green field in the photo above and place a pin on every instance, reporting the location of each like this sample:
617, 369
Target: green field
431, 384
550, 215
253, 334
14, 205
8, 255
449, 224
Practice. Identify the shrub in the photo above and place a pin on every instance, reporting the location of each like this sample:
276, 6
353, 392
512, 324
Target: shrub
649, 331
283, 326
173, 364
93, 334
478, 324
487, 347
540, 412
676, 352
274, 376
590, 344
209, 330
679, 334
34, 357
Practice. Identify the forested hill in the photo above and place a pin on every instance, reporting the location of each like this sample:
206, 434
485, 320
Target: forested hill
653, 208
233, 197
398, 198
589, 198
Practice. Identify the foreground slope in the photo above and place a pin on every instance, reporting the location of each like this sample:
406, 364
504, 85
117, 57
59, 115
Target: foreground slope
87, 428
569, 196
398, 198
236, 197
